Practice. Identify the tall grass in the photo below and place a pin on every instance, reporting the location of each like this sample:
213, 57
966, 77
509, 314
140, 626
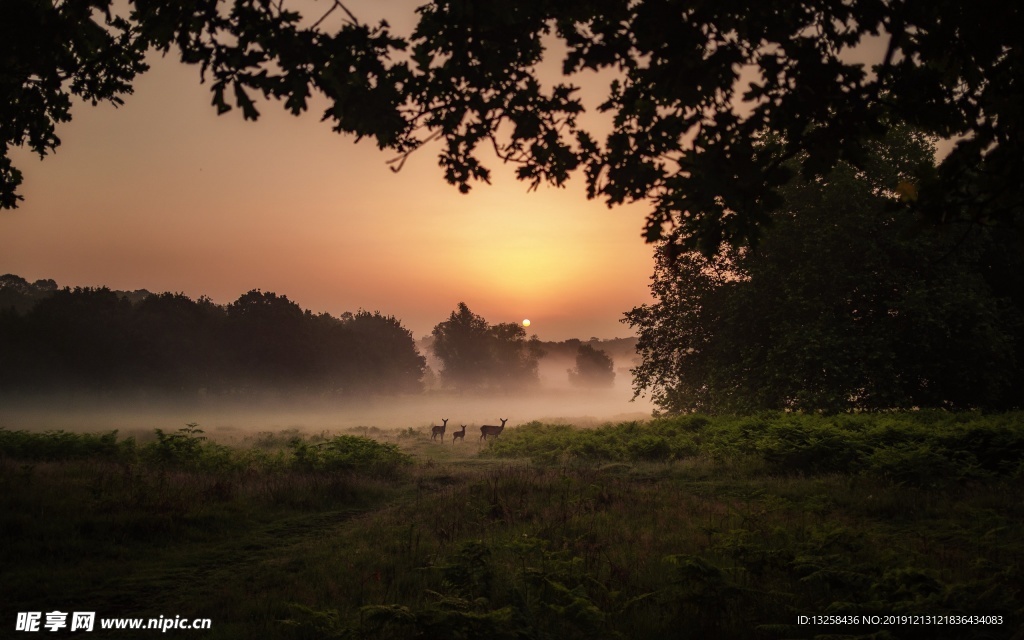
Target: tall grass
678, 527
915, 448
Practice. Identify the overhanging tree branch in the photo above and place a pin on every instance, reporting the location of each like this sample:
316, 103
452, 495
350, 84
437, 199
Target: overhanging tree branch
947, 70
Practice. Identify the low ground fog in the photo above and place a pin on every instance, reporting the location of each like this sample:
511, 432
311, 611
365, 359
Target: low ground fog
554, 400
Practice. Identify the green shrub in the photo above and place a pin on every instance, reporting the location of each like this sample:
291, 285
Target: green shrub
344, 453
649, 447
917, 465
61, 445
795, 449
927, 448
187, 447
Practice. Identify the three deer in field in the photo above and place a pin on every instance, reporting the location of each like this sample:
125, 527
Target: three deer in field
492, 429
435, 430
487, 430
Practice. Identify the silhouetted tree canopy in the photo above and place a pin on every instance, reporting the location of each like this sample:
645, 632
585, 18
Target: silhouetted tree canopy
383, 352
477, 355
96, 339
266, 328
697, 87
594, 368
18, 295
845, 304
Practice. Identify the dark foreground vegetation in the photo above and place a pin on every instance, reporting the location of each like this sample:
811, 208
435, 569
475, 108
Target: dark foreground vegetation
679, 527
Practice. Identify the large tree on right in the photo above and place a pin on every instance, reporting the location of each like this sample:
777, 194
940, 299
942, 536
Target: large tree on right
848, 303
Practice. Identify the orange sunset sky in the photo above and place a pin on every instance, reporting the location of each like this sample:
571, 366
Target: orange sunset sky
163, 194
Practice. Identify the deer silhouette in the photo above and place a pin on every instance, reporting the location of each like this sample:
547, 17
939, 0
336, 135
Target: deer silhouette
459, 435
492, 429
435, 430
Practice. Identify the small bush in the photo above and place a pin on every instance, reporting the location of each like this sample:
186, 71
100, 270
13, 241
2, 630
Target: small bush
917, 465
649, 447
187, 447
344, 453
61, 445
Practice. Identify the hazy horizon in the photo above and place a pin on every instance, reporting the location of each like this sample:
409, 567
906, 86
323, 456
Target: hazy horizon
423, 332
162, 194
554, 400
220, 397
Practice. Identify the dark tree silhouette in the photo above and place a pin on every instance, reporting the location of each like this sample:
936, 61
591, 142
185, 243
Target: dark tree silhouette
382, 354
19, 295
846, 304
594, 368
97, 339
515, 358
81, 336
462, 343
697, 88
476, 354
268, 338
177, 342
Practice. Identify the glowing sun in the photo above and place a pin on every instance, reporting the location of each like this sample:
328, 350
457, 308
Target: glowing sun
526, 322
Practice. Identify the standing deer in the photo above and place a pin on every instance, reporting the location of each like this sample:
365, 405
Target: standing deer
492, 429
456, 435
435, 430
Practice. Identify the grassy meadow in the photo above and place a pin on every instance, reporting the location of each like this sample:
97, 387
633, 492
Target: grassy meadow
683, 527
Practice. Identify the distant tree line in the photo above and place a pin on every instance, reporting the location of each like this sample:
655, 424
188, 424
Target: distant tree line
594, 358
98, 339
619, 349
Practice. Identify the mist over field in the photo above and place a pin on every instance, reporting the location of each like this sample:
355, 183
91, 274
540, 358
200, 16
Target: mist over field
555, 400
93, 359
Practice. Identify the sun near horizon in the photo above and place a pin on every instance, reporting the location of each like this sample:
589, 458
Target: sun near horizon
214, 206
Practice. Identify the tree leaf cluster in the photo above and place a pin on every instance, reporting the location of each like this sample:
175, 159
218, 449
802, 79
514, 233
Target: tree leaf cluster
50, 52
848, 303
694, 89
